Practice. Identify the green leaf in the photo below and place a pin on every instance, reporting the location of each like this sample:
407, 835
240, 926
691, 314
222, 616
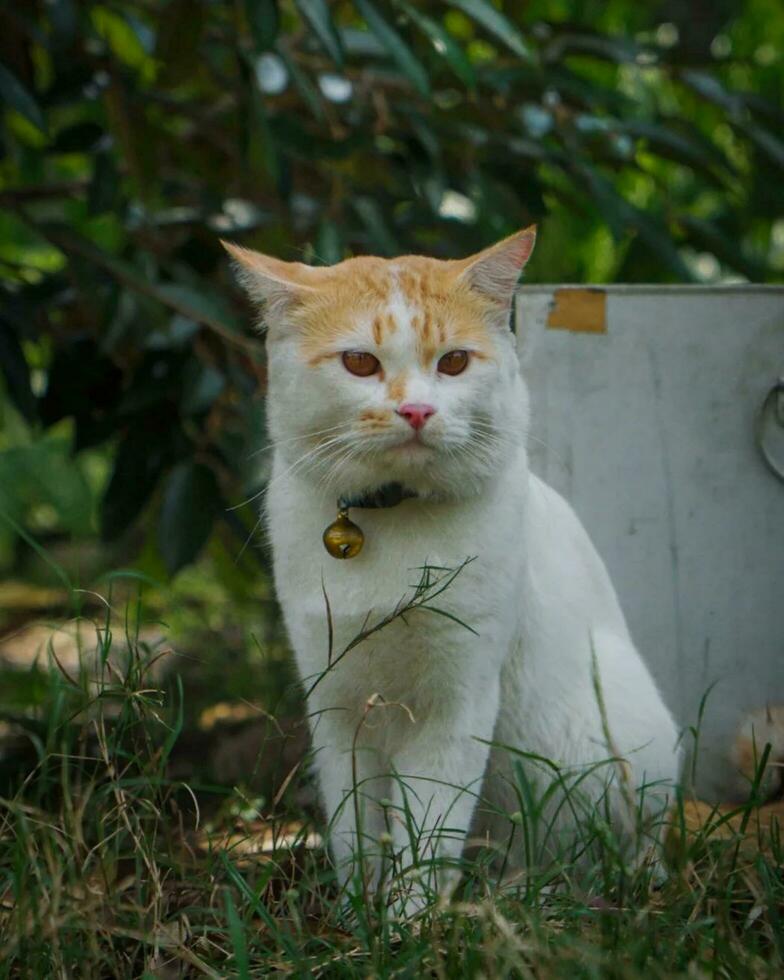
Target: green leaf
105, 184
765, 141
197, 304
191, 502
238, 940
692, 150
126, 42
178, 40
316, 13
444, 44
82, 137
396, 46
201, 385
200, 305
495, 23
14, 368
45, 473
305, 86
373, 219
710, 88
707, 235
622, 216
16, 96
617, 49
264, 21
329, 247
142, 456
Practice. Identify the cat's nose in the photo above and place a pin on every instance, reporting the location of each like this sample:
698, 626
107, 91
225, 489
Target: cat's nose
416, 413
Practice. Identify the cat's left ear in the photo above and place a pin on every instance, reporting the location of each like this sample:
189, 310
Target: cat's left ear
275, 285
494, 271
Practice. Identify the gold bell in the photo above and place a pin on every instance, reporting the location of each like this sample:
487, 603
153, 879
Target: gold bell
343, 539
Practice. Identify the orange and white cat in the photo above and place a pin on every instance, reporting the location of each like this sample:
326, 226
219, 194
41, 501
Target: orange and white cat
405, 371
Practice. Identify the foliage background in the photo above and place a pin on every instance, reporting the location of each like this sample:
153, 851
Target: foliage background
644, 138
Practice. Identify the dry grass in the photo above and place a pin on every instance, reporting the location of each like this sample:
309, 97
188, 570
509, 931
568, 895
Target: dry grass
112, 866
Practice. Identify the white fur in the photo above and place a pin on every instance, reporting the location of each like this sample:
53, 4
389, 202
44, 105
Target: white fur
411, 710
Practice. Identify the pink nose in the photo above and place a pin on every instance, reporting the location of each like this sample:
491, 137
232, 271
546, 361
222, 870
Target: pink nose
416, 414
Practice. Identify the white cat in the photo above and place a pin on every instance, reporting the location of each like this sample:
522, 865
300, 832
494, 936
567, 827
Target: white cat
403, 374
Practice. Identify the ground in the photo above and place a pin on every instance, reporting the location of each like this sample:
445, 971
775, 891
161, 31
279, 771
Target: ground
157, 819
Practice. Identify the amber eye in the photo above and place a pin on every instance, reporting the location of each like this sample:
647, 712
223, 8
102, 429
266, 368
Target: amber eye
361, 363
455, 362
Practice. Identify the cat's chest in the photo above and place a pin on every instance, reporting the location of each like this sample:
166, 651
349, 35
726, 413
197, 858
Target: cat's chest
453, 565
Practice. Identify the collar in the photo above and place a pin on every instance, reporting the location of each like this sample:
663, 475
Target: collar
343, 538
388, 495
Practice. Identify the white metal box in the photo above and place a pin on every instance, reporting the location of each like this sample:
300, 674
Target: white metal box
645, 411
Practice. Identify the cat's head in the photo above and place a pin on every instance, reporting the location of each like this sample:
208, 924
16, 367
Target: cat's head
387, 370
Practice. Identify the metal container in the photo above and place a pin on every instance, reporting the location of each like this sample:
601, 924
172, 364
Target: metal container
656, 412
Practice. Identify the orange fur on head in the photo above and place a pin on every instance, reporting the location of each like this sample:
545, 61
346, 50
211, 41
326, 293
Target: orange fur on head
449, 304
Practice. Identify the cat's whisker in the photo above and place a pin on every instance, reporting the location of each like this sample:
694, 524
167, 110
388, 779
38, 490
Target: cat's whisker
276, 443
351, 452
288, 472
297, 464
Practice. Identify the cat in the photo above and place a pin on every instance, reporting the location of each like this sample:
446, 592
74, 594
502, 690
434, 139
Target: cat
404, 373
753, 823
761, 728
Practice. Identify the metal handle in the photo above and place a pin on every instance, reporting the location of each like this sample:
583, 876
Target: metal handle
772, 413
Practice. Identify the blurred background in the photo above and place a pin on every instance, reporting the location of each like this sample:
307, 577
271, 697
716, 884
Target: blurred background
643, 138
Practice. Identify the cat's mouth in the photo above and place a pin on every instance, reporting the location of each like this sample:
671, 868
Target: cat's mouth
413, 444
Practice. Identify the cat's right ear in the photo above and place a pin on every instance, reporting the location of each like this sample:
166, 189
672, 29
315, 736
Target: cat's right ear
273, 284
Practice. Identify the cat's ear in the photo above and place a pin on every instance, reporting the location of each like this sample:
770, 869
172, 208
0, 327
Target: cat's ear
494, 271
275, 285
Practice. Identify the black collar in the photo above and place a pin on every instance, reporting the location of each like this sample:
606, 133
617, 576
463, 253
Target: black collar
387, 495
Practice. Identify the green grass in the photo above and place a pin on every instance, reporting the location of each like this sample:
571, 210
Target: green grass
114, 864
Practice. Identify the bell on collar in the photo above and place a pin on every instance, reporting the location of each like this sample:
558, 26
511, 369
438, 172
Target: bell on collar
343, 539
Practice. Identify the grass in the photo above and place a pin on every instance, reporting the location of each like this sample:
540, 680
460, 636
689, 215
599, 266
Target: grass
113, 864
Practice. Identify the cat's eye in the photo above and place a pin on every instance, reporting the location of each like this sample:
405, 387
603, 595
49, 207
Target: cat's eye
361, 363
455, 362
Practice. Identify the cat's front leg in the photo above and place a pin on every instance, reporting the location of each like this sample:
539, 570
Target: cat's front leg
352, 779
435, 788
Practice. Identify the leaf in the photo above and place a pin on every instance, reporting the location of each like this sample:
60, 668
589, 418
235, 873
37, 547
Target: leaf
238, 939
126, 41
495, 23
710, 88
617, 49
691, 150
316, 13
305, 86
622, 216
191, 502
373, 219
329, 247
396, 46
15, 370
201, 385
105, 184
144, 453
264, 22
180, 29
15, 95
82, 137
197, 304
770, 145
82, 382
444, 44
707, 235
45, 472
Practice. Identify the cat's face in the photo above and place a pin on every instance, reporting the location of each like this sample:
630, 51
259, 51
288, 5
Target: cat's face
393, 370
